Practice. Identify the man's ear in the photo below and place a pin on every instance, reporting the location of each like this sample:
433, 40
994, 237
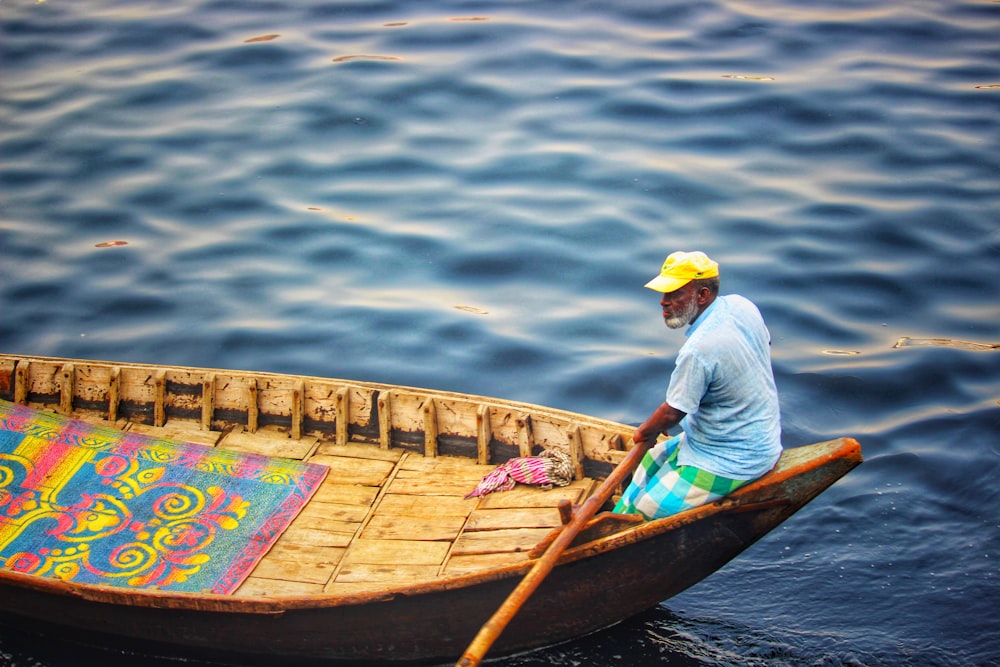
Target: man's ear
704, 294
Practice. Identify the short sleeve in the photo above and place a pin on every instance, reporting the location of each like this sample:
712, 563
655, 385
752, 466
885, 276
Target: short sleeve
688, 383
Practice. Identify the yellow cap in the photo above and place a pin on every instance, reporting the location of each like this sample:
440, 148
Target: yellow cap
680, 268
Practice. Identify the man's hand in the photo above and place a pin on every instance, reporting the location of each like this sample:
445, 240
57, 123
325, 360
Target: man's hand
663, 419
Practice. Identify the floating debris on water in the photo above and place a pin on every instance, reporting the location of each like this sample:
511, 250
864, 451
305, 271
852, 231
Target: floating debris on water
842, 353
469, 18
906, 341
988, 85
261, 38
344, 59
342, 216
748, 77
110, 244
473, 309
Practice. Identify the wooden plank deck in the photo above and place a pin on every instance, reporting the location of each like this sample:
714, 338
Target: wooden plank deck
385, 517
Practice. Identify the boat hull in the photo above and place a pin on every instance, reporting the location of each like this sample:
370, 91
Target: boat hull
597, 584
617, 567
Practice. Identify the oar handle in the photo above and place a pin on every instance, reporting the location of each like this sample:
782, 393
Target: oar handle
503, 615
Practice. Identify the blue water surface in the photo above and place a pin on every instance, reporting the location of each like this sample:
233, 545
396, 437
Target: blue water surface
469, 195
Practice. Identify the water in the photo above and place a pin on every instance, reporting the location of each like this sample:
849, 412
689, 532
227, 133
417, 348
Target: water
469, 196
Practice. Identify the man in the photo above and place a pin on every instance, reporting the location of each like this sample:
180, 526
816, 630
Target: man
721, 393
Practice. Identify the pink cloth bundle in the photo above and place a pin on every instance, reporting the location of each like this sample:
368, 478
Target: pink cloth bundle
550, 468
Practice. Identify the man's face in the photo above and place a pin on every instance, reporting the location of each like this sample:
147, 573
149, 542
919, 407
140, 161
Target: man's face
679, 307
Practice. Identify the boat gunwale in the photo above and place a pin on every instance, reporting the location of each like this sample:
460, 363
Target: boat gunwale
575, 417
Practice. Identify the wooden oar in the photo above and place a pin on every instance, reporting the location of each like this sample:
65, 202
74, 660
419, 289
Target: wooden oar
503, 615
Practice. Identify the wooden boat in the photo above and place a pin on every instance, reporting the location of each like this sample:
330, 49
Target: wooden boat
389, 562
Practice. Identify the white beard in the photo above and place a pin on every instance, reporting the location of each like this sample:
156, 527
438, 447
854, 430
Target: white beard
684, 316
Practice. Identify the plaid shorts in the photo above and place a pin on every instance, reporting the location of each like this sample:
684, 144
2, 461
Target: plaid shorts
660, 487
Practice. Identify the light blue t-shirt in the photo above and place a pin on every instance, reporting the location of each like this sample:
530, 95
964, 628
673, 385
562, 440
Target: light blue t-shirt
724, 382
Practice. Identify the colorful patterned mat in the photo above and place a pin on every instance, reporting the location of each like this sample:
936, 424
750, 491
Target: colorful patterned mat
95, 505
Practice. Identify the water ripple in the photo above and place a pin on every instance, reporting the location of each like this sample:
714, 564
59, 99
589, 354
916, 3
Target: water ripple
404, 192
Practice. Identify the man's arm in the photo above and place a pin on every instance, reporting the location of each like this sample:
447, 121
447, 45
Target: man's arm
663, 418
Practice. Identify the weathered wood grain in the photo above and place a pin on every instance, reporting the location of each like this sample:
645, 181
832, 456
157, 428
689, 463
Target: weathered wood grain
269, 441
465, 564
255, 587
428, 527
184, 431
299, 563
396, 552
516, 517
498, 541
345, 470
399, 504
